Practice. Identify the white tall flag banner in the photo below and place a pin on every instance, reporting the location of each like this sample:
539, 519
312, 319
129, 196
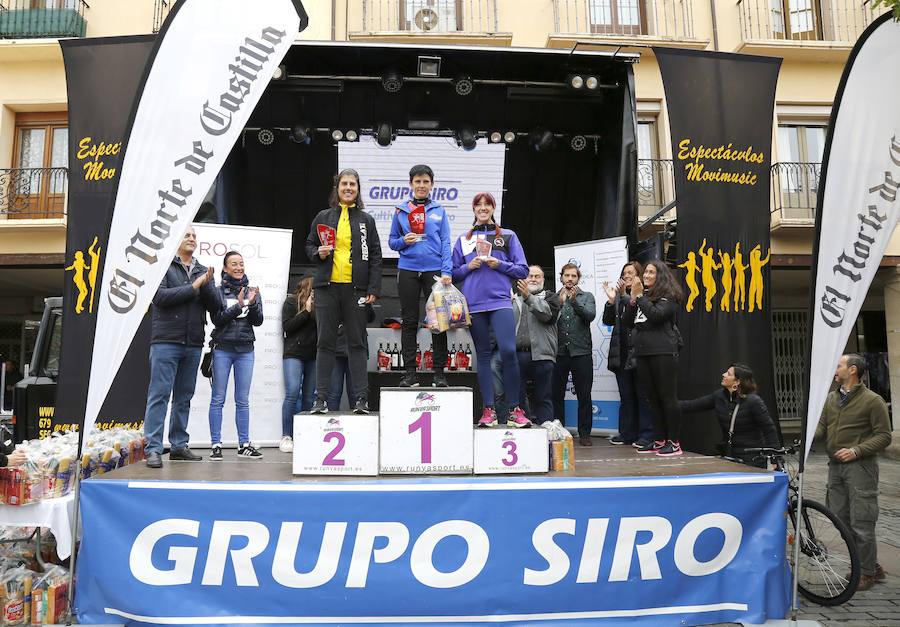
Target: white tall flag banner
267, 261
458, 175
859, 206
210, 68
599, 260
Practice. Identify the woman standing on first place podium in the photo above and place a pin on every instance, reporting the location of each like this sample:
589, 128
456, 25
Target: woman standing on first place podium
485, 260
344, 245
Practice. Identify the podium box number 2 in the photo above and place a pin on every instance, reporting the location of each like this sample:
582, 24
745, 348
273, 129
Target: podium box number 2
426, 431
336, 444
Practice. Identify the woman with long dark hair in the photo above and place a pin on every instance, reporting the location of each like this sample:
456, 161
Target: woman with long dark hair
742, 415
486, 259
298, 321
656, 341
233, 339
343, 243
635, 416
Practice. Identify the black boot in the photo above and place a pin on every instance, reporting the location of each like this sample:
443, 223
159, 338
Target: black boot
408, 380
362, 406
439, 381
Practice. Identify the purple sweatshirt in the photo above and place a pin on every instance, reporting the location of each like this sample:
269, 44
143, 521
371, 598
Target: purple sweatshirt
487, 289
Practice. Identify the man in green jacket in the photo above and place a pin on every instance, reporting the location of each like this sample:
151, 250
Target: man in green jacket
855, 428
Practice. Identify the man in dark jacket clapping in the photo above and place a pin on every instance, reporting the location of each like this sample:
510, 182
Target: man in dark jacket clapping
178, 320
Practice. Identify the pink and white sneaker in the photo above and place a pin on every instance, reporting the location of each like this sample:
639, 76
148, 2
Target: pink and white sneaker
488, 418
517, 419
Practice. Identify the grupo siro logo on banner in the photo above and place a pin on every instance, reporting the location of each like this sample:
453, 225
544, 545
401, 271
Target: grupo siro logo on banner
681, 550
599, 261
176, 145
720, 108
266, 254
858, 207
458, 175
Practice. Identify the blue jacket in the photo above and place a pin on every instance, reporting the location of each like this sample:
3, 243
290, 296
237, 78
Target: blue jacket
178, 310
487, 289
423, 256
234, 324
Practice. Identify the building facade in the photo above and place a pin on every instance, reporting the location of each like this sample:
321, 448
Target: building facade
814, 37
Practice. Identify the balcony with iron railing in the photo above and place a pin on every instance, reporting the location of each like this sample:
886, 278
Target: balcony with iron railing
794, 190
33, 194
643, 21
823, 29
440, 21
656, 188
160, 11
42, 19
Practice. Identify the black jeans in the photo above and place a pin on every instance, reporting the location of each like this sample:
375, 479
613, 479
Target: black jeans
337, 303
410, 286
658, 375
582, 369
635, 415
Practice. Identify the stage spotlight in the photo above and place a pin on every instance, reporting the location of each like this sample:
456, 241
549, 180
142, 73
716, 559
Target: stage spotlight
392, 81
541, 139
592, 82
466, 137
496, 137
384, 134
337, 135
280, 73
576, 81
352, 136
265, 136
578, 143
429, 67
463, 85
509, 137
301, 133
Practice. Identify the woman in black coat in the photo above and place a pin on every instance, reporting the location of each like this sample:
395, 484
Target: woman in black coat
753, 426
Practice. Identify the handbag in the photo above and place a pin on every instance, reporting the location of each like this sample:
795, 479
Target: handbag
207, 362
725, 448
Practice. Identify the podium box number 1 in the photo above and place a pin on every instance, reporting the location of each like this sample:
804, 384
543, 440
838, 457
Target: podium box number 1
426, 431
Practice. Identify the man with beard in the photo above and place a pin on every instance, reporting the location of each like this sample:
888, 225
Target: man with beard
536, 310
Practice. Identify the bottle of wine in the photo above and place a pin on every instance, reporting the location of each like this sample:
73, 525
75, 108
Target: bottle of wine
395, 358
451, 358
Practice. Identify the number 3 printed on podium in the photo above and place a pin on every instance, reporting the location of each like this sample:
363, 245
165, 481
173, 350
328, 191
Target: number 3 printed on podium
511, 459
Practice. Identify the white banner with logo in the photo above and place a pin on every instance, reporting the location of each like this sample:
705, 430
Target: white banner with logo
458, 175
858, 205
267, 260
599, 260
211, 65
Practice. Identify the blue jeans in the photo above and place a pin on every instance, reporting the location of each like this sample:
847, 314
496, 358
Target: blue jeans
504, 325
541, 373
500, 405
635, 417
223, 361
297, 373
173, 372
339, 374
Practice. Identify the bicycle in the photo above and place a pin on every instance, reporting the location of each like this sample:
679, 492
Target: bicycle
828, 571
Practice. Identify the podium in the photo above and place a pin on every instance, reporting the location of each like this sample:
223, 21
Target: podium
419, 431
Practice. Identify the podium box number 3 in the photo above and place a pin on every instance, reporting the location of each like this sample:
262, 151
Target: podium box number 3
499, 450
335, 444
426, 431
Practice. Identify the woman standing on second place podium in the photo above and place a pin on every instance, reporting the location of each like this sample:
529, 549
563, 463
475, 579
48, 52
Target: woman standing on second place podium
487, 285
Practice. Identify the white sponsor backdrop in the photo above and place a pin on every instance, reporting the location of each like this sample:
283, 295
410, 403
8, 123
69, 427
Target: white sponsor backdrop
599, 261
458, 175
267, 258
859, 204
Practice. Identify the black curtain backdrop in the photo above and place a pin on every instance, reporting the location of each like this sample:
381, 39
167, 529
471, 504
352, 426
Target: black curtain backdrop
720, 113
102, 77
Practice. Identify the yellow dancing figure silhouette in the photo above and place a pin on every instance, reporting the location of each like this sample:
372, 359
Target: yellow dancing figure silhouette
739, 285
756, 282
92, 275
725, 258
709, 282
79, 267
690, 276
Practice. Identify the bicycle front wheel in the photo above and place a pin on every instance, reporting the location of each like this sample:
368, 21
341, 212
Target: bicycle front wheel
828, 569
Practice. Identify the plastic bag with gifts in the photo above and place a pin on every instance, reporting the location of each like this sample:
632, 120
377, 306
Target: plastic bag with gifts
446, 308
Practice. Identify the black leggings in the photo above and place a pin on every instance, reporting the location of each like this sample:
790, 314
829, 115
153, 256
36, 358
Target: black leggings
658, 376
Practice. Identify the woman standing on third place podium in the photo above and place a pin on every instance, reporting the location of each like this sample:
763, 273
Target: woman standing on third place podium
485, 260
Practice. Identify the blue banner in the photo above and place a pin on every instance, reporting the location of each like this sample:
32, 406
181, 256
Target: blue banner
680, 550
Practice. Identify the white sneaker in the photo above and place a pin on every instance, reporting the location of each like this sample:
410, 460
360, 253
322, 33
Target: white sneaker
287, 444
